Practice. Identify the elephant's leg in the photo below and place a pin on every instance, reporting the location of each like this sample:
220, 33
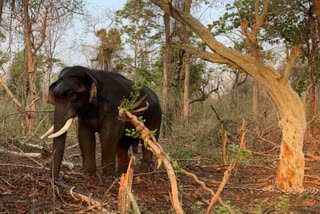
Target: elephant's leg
110, 135
146, 162
87, 144
122, 153
153, 123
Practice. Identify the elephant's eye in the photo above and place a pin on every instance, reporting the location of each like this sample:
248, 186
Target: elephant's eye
74, 97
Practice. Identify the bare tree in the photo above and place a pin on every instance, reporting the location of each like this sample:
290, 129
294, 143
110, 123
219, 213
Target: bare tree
31, 19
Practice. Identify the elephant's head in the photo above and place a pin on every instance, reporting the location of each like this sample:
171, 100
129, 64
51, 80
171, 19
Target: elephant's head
72, 94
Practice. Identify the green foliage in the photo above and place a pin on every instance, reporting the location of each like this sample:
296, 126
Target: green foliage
134, 95
18, 81
258, 209
222, 210
176, 166
236, 152
283, 203
299, 81
139, 28
29, 177
197, 207
110, 44
132, 133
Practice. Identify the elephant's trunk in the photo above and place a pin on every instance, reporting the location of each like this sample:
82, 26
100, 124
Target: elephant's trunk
58, 142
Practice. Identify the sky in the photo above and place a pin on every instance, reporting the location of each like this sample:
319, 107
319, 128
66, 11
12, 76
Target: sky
80, 39
78, 47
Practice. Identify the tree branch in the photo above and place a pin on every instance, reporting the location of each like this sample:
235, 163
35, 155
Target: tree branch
208, 56
6, 88
295, 53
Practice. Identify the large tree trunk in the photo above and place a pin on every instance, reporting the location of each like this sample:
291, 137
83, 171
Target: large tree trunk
30, 115
186, 84
290, 107
165, 88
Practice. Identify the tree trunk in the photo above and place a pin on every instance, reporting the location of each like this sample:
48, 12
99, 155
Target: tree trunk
30, 115
186, 87
165, 88
290, 107
311, 52
255, 100
317, 12
186, 84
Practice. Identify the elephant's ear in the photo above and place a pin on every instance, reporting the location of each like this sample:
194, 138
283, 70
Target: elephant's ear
93, 92
93, 89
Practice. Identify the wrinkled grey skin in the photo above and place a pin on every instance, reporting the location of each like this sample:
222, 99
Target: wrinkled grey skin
94, 96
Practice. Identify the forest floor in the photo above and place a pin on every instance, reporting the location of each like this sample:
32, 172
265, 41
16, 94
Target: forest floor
26, 188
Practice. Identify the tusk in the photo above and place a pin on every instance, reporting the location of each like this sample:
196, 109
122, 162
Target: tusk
47, 133
63, 130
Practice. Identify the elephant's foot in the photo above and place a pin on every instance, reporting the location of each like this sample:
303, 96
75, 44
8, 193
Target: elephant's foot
122, 168
89, 171
146, 166
109, 170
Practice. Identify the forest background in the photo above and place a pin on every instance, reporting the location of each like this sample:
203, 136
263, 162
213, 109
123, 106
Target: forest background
212, 63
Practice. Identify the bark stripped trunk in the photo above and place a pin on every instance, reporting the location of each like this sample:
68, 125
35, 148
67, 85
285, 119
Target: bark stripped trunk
289, 105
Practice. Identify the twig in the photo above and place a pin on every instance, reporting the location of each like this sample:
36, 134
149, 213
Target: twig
228, 172
107, 191
21, 165
7, 182
314, 157
82, 196
203, 185
224, 138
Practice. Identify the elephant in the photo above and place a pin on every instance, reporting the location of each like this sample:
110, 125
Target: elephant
94, 97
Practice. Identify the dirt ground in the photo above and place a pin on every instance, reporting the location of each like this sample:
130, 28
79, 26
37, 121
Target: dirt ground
25, 187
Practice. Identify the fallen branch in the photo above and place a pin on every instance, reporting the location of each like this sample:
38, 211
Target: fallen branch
151, 144
203, 185
21, 154
314, 157
31, 155
81, 196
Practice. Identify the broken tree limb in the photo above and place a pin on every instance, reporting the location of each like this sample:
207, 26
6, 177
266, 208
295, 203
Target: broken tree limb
125, 188
151, 144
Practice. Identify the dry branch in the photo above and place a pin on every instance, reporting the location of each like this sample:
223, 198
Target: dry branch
228, 172
314, 157
10, 94
31, 156
151, 144
203, 185
81, 196
21, 154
